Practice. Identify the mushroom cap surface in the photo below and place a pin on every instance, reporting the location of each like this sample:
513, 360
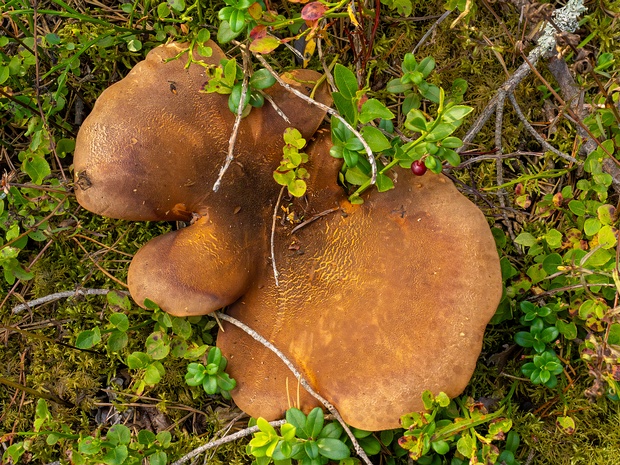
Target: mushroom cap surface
152, 148
376, 302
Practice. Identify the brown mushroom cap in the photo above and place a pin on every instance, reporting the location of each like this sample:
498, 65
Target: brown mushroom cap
376, 303
151, 150
152, 147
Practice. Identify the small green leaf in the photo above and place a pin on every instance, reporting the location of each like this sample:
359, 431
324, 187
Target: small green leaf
296, 417
384, 183
333, 449
116, 456
356, 177
591, 226
138, 360
117, 340
396, 86
344, 106
157, 345
134, 45
117, 300
225, 33
432, 93
119, 321
153, 373
314, 423
416, 121
158, 458
177, 5
4, 73
36, 167
345, 81
89, 338
373, 109
426, 66
262, 79
441, 447
297, 188
525, 239
465, 445
577, 207
203, 35
456, 113
554, 238
181, 327
119, 434
440, 131
89, 445
607, 237
375, 139
163, 11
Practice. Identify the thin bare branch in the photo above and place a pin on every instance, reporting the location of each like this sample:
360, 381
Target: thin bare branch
546, 145
430, 30
225, 440
235, 130
273, 237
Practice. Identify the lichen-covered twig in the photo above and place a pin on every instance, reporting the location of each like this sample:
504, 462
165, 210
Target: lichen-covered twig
358, 449
58, 296
567, 19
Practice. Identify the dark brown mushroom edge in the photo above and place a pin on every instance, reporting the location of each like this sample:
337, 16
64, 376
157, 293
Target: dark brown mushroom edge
376, 302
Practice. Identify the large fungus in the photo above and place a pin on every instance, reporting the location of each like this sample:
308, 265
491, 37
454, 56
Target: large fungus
376, 302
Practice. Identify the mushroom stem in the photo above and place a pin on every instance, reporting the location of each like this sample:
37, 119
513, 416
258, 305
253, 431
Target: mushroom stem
331, 111
233, 321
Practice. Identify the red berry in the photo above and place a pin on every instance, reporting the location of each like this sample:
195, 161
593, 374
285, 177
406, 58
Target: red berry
418, 168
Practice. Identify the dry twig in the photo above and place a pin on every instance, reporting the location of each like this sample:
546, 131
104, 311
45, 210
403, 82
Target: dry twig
235, 130
273, 236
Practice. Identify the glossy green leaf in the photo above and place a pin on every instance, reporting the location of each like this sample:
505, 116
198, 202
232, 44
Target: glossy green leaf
36, 167
373, 109
119, 434
262, 79
89, 338
345, 81
375, 139
333, 449
137, 360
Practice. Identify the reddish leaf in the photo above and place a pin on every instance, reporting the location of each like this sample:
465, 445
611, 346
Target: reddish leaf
313, 11
258, 32
264, 45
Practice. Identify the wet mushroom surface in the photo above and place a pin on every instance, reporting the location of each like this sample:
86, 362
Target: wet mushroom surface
376, 302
